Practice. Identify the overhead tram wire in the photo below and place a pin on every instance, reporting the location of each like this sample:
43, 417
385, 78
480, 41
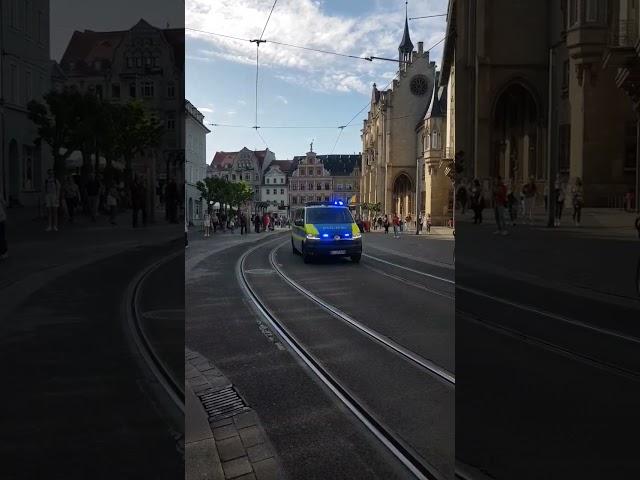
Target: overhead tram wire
284, 44
429, 16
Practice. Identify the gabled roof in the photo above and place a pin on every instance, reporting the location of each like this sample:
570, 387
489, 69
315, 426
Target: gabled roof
223, 159
283, 165
336, 164
86, 47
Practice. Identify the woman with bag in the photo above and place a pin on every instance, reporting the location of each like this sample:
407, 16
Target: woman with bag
71, 194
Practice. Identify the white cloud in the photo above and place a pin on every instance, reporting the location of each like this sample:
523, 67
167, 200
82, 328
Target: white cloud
242, 102
231, 113
306, 23
282, 99
206, 110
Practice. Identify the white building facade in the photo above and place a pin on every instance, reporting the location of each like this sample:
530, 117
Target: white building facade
195, 162
25, 73
275, 191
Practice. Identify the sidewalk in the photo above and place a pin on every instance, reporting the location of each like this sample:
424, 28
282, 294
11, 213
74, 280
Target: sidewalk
599, 257
224, 438
37, 257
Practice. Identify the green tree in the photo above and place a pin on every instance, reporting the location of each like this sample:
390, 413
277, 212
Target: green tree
239, 194
137, 131
58, 120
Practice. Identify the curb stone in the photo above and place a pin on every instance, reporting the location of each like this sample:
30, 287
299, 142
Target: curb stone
242, 449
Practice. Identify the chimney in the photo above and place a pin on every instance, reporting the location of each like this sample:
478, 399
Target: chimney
420, 47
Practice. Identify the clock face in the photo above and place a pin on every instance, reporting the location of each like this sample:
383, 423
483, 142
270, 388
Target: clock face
419, 85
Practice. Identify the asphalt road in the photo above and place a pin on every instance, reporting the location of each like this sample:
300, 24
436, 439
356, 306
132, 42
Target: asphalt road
77, 404
315, 436
548, 381
162, 315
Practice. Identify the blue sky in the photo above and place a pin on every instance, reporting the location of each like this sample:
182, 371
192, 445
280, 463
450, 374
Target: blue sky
296, 87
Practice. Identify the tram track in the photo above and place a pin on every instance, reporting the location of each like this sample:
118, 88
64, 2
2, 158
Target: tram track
388, 438
144, 346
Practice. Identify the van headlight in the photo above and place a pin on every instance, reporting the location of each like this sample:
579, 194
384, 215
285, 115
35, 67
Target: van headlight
312, 236
357, 235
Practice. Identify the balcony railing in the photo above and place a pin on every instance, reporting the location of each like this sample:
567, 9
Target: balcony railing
626, 35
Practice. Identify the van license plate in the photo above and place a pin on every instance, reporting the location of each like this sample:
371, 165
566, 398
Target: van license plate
338, 252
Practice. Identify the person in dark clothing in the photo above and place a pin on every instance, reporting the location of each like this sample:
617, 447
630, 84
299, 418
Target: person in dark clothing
243, 224
138, 201
93, 196
257, 221
477, 202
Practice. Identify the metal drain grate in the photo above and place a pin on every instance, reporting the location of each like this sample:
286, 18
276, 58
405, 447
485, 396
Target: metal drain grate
222, 403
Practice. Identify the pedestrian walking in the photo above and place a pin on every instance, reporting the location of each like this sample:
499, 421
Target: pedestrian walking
186, 232
71, 194
52, 194
546, 197
512, 206
386, 224
530, 191
577, 199
206, 223
138, 201
559, 197
429, 222
93, 196
215, 221
462, 199
112, 203
396, 226
419, 224
232, 224
243, 224
4, 249
477, 201
500, 204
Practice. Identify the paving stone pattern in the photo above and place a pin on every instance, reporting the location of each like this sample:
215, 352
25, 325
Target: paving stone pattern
243, 447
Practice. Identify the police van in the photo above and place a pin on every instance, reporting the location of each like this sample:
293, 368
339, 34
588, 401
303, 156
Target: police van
325, 229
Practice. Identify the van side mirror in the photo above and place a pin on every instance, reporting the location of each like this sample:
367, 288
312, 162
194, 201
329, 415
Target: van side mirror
299, 223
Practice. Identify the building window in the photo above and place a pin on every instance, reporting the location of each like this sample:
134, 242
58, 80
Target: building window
564, 148
592, 10
319, 186
281, 179
326, 198
573, 12
13, 14
294, 185
565, 75
147, 89
630, 147
171, 123
13, 84
99, 91
256, 177
282, 191
132, 89
302, 186
303, 199
171, 90
310, 186
27, 168
115, 90
247, 177
339, 186
294, 200
319, 171
267, 180
28, 91
30, 19
326, 186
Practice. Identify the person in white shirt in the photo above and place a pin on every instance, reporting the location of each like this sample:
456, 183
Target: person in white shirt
52, 200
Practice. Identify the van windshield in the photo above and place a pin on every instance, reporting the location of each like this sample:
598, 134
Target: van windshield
329, 215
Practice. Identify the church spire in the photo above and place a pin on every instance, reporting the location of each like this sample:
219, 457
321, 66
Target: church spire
406, 47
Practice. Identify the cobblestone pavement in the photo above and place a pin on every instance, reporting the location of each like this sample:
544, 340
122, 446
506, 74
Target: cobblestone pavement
242, 447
